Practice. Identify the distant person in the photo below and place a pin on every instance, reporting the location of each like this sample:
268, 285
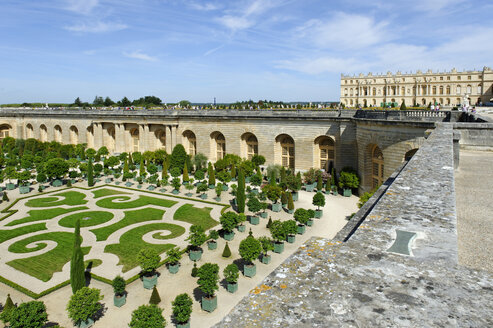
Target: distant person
432, 107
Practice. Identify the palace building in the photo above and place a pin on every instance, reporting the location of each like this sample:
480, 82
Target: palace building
447, 89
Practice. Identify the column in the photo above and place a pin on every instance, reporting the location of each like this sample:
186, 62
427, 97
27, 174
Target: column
98, 135
143, 135
169, 145
120, 137
173, 135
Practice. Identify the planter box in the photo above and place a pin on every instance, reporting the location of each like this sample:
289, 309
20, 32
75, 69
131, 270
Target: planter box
139, 186
86, 324
318, 214
209, 304
211, 186
241, 228
266, 259
57, 183
128, 184
291, 239
334, 192
295, 196
119, 301
229, 235
278, 247
175, 192
151, 188
195, 255
247, 179
183, 325
225, 187
232, 287
309, 223
276, 207
212, 245
203, 196
159, 168
149, 282
290, 211
263, 215
162, 190
309, 187
189, 194
254, 220
173, 268
250, 270
301, 229
108, 180
24, 189
347, 192
217, 199
255, 191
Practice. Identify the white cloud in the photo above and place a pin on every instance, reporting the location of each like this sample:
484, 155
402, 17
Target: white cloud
318, 65
245, 17
347, 31
83, 7
235, 23
96, 27
207, 6
213, 50
139, 55
435, 5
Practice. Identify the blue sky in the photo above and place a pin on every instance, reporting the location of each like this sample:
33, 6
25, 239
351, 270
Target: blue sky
290, 50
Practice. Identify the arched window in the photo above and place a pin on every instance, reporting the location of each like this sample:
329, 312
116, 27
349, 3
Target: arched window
403, 91
377, 166
287, 151
58, 133
448, 101
351, 91
479, 89
43, 133
90, 137
190, 142
134, 133
441, 89
469, 89
160, 139
4, 131
251, 146
326, 152
220, 146
458, 90
374, 91
74, 135
434, 90
448, 89
29, 131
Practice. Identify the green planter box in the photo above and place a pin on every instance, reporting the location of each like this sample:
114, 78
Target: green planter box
276, 207
183, 325
10, 186
24, 189
266, 259
211, 186
295, 196
250, 270
160, 168
209, 304
278, 247
212, 245
347, 192
195, 255
309, 187
263, 215
241, 228
203, 196
232, 287
254, 220
149, 282
318, 214
217, 199
225, 187
255, 191
229, 235
247, 180
128, 184
151, 188
57, 183
119, 301
108, 180
309, 223
139, 186
86, 324
175, 192
162, 190
334, 191
301, 229
291, 239
290, 211
174, 268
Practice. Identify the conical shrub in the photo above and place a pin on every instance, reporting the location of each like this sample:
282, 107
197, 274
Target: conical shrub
155, 298
226, 251
269, 223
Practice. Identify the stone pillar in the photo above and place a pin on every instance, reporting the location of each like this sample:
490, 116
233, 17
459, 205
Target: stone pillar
169, 146
119, 137
98, 135
173, 136
143, 135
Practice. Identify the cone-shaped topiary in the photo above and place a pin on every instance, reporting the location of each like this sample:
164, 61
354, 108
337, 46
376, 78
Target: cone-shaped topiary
7, 309
211, 174
164, 173
269, 223
155, 298
142, 169
77, 277
90, 176
125, 166
69, 183
185, 173
195, 270
240, 192
233, 171
284, 198
290, 201
5, 197
403, 106
226, 251
319, 183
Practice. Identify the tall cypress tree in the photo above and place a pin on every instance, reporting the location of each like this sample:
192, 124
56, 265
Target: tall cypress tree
90, 176
142, 169
233, 171
164, 173
125, 166
212, 175
240, 192
185, 173
77, 277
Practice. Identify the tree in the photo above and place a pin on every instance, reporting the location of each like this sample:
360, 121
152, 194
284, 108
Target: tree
231, 273
266, 244
278, 230
219, 190
258, 160
284, 198
301, 216
184, 103
233, 171
90, 176
5, 198
250, 249
56, 167
125, 102
103, 151
208, 279
77, 102
290, 227
182, 308
403, 106
178, 157
142, 168
174, 256
29, 315
90, 153
240, 193
199, 161
254, 205
290, 201
318, 200
77, 277
149, 260
272, 192
147, 316
211, 174
197, 236
84, 304
8, 307
228, 221
226, 251
256, 179
319, 183
185, 173
155, 298
108, 102
348, 180
98, 101
119, 285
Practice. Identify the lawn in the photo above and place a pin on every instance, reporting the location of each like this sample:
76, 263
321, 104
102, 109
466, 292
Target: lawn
43, 266
107, 192
9, 234
131, 217
141, 201
46, 214
190, 214
87, 219
131, 243
69, 198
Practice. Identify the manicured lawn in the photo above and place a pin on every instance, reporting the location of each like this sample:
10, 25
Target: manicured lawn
70, 198
141, 201
107, 192
93, 262
131, 217
131, 243
45, 265
9, 234
46, 214
94, 218
201, 216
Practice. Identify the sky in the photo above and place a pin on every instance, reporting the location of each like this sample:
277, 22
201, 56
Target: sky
283, 50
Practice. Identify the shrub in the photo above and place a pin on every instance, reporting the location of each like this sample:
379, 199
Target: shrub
155, 298
195, 270
5, 198
290, 201
149, 260
147, 316
211, 174
269, 223
266, 244
250, 249
208, 279
254, 205
312, 175
258, 159
292, 183
365, 197
176, 183
284, 198
196, 236
41, 177
202, 187
318, 200
178, 157
174, 256
272, 192
182, 308
213, 234
175, 172
290, 227
233, 171
90, 176
118, 285
77, 276
348, 180
8, 307
319, 183
278, 231
219, 189
199, 175
84, 304
301, 215
231, 273
240, 193
229, 221
226, 251
311, 213
29, 315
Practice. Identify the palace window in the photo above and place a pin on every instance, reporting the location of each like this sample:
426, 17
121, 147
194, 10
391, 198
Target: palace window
220, 146
252, 146
459, 77
135, 139
448, 78
287, 152
326, 148
377, 167
479, 89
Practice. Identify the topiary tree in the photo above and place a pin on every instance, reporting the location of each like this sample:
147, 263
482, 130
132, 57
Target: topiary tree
186, 178
56, 168
290, 202
29, 315
211, 174
149, 261
77, 276
202, 187
142, 168
84, 304
233, 171
240, 193
278, 231
269, 223
273, 193
155, 298
301, 216
176, 183
290, 227
320, 184
119, 285
226, 251
348, 180
403, 106
266, 244
229, 221
219, 190
147, 316
178, 157
318, 200
195, 270
8, 307
199, 160
5, 198
174, 256
196, 237
250, 249
231, 273
254, 205
284, 198
208, 279
90, 174
182, 308
258, 159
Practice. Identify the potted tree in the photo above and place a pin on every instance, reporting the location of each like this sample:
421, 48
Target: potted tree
147, 316
182, 309
310, 179
176, 183
249, 250
254, 207
22, 178
189, 186
267, 246
208, 283
149, 261
293, 185
202, 188
228, 221
212, 176
120, 297
301, 216
10, 173
311, 215
239, 221
348, 180
333, 182
231, 274
173, 260
196, 238
278, 233
83, 305
213, 236
256, 181
264, 206
273, 193
28, 315
218, 189
291, 228
318, 200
